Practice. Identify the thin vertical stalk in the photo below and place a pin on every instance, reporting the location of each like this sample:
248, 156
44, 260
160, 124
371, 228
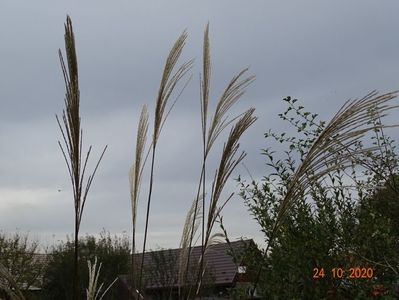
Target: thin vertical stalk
228, 162
147, 216
192, 226
76, 279
204, 100
135, 175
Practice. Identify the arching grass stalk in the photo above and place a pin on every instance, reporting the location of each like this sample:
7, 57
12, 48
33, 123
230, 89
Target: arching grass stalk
333, 150
72, 147
167, 86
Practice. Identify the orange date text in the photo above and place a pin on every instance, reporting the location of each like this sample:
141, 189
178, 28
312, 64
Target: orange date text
341, 273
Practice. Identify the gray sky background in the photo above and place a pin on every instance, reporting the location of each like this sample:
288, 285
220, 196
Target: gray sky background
321, 52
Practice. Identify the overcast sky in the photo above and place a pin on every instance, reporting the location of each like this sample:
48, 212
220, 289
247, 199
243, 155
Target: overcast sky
321, 52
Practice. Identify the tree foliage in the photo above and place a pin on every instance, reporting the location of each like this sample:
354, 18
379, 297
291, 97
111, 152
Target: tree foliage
112, 252
19, 256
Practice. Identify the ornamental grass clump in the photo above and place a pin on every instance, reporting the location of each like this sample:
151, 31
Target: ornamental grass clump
218, 122
230, 158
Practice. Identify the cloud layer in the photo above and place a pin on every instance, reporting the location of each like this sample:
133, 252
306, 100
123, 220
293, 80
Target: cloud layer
321, 53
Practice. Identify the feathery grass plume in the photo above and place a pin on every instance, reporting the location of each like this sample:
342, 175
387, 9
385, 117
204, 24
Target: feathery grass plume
185, 251
228, 163
167, 86
72, 137
92, 291
135, 175
205, 85
169, 82
233, 92
205, 82
219, 121
333, 151
9, 285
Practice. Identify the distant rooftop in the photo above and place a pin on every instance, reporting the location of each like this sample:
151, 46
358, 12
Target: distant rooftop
220, 263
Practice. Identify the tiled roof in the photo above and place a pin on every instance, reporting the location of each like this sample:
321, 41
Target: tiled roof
218, 261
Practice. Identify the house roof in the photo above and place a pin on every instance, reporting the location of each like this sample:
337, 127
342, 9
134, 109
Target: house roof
219, 263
